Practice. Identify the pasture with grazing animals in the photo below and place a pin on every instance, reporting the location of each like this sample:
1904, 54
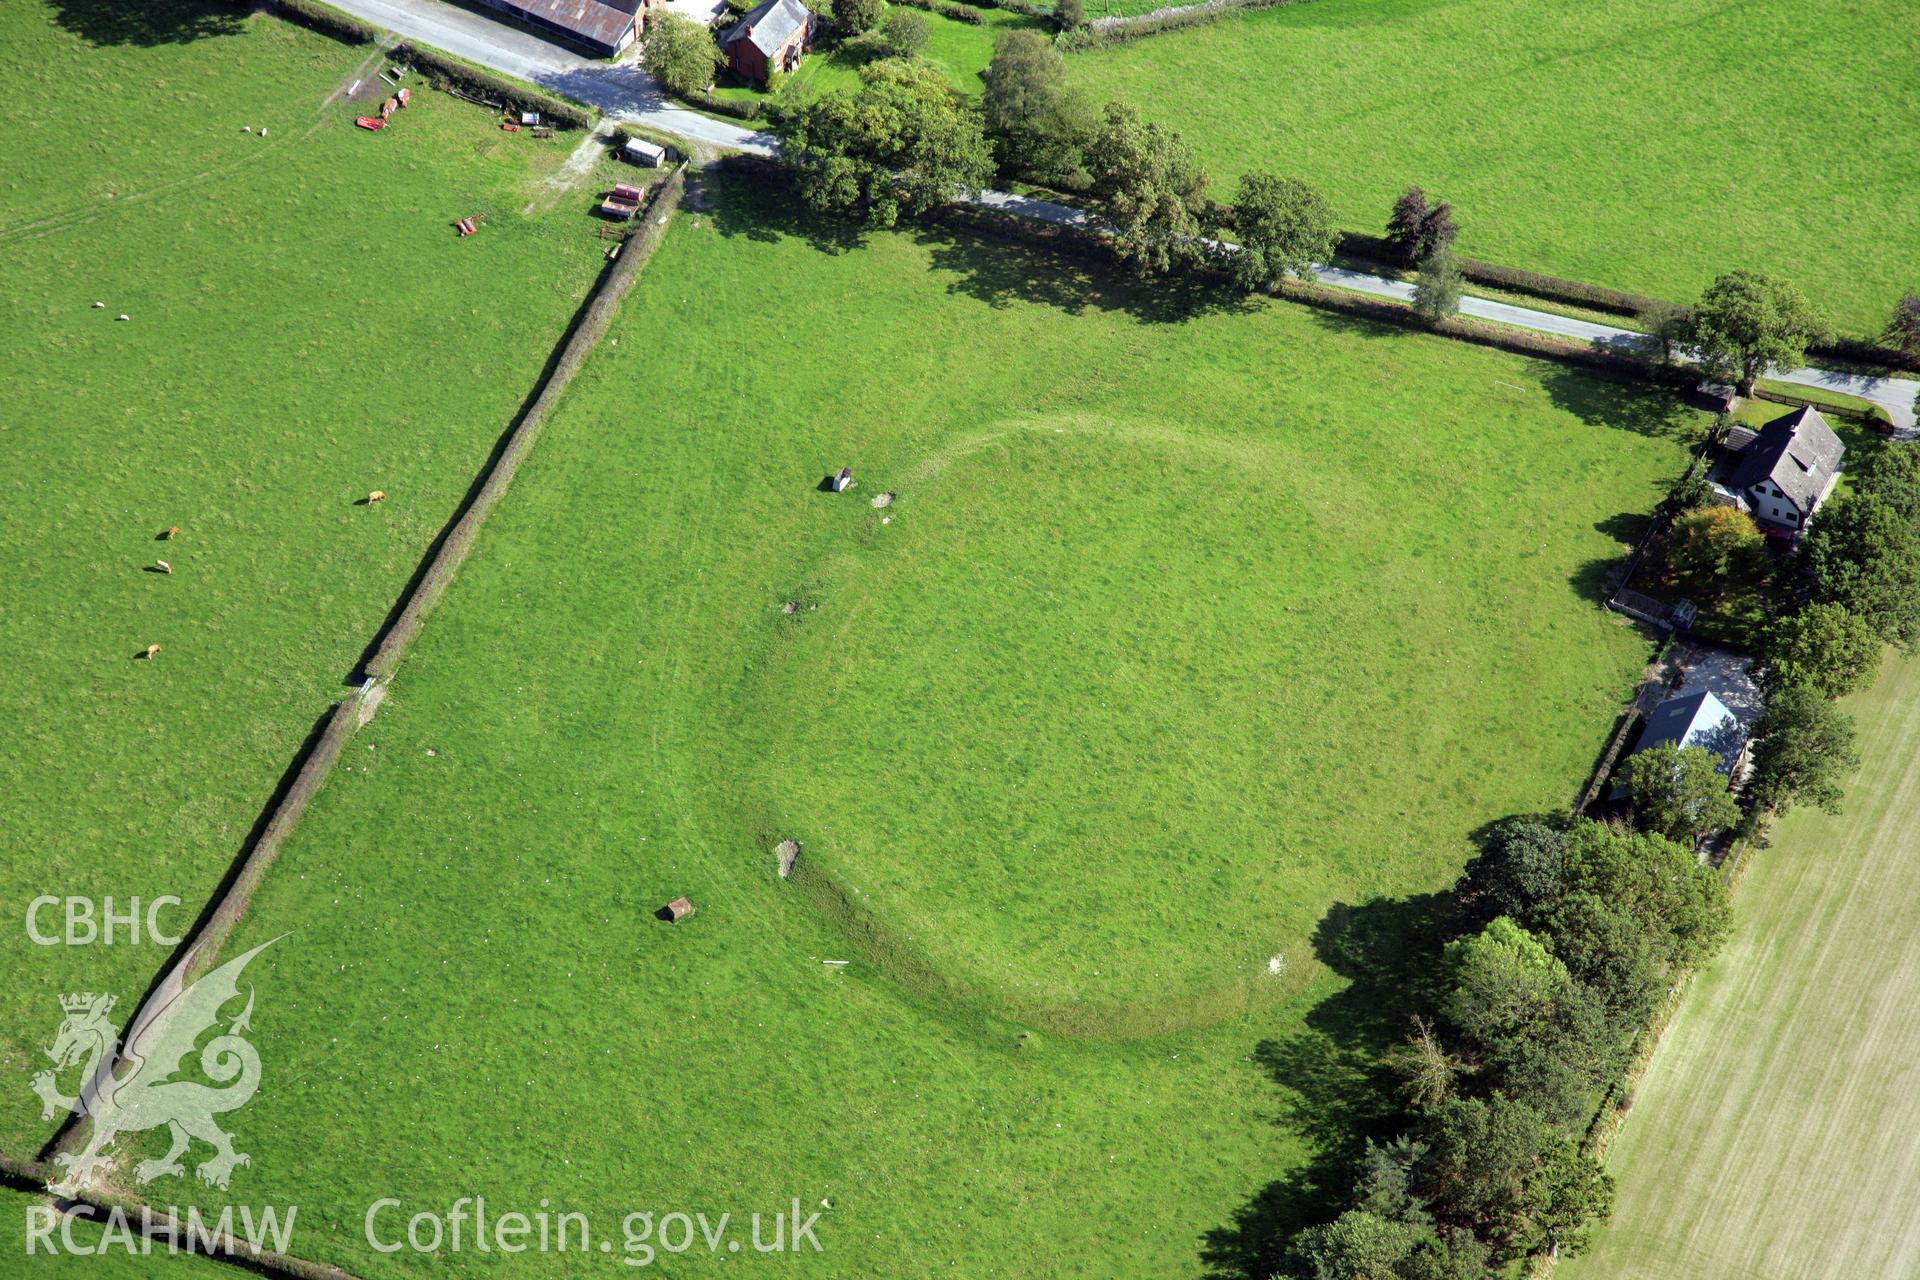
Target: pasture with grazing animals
1058, 865
304, 326
1643, 144
930, 740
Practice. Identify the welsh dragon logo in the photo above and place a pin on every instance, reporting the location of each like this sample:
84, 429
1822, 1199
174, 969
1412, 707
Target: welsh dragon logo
138, 1089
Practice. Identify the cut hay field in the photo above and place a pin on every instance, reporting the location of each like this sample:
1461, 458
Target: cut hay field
305, 328
1643, 144
1201, 632
1773, 1134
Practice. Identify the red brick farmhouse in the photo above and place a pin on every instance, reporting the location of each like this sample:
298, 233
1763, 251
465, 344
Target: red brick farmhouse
774, 36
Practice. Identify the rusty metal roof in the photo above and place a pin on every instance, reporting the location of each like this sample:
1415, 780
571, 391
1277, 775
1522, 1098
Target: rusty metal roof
599, 22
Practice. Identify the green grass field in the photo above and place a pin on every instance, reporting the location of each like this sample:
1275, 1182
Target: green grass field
305, 328
1642, 144
1772, 1134
1056, 858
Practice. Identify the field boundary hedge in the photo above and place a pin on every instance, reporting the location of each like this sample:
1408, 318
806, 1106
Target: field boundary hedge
1107, 31
1599, 297
589, 324
328, 20
1081, 241
444, 69
948, 10
749, 111
317, 757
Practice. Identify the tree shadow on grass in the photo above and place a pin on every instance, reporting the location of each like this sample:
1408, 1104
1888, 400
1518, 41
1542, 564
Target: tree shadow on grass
1003, 270
1606, 401
156, 22
752, 199
1335, 1092
1597, 580
1594, 395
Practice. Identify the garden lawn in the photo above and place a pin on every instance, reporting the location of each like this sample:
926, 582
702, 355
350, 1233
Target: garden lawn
1194, 618
1772, 1135
1644, 144
305, 328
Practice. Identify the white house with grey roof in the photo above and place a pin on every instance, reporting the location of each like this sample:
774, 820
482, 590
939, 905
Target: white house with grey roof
773, 36
1781, 473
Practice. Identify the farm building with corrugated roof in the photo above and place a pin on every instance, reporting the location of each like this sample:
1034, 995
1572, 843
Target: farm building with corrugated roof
605, 26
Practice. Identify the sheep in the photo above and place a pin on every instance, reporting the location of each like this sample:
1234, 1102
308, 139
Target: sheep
163, 566
152, 649
99, 306
123, 316
378, 495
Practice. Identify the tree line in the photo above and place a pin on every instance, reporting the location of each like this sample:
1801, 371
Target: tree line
1566, 935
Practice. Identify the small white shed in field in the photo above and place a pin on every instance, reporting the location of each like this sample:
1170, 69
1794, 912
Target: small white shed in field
647, 155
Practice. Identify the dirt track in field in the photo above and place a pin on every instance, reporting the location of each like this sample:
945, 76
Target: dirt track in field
1774, 1136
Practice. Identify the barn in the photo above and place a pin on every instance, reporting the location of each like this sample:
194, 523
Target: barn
604, 26
774, 36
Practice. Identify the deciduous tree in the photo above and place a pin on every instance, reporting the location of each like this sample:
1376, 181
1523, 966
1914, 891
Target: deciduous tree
1746, 322
1358, 1246
1826, 647
903, 142
1680, 792
1499, 1167
1903, 330
1427, 1071
1669, 324
1803, 748
1505, 982
901, 33
1521, 865
855, 16
1716, 547
1416, 228
1150, 190
1038, 124
1680, 903
680, 54
1863, 552
1282, 226
1437, 289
